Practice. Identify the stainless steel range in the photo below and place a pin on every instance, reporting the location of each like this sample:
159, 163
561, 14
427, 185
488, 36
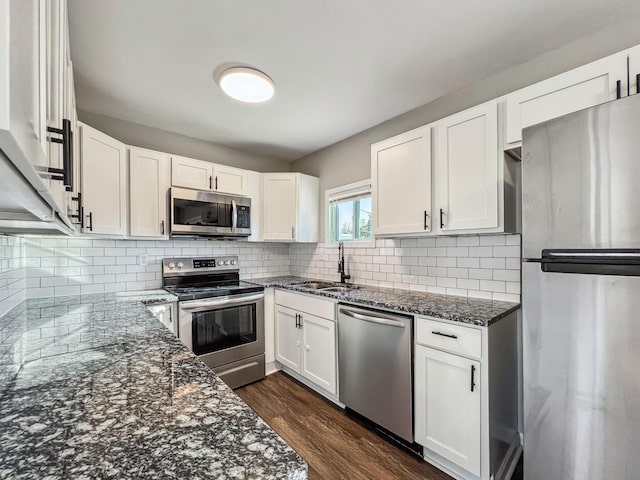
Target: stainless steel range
221, 319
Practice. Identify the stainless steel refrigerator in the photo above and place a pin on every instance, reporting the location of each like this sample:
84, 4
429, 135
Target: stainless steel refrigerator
581, 294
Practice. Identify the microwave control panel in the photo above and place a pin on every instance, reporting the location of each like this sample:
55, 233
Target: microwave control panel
244, 220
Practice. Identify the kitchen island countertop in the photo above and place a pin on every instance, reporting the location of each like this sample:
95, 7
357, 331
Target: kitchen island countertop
128, 401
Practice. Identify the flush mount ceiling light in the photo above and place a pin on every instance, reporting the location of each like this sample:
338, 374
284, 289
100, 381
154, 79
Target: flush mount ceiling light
246, 84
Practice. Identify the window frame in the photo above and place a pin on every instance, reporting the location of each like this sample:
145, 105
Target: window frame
364, 186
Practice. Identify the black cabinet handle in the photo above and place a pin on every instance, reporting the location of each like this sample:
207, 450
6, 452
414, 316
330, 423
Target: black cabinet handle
210, 182
297, 324
216, 182
300, 320
80, 212
90, 217
441, 220
64, 174
618, 89
473, 377
448, 335
426, 216
637, 82
162, 227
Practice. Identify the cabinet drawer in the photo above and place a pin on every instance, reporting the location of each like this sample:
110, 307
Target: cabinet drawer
306, 303
445, 336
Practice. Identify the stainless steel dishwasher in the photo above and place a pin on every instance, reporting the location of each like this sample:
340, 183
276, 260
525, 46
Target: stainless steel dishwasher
374, 357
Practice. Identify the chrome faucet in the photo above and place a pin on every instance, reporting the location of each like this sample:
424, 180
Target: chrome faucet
343, 276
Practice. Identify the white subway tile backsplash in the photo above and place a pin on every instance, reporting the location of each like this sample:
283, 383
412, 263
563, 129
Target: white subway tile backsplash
475, 265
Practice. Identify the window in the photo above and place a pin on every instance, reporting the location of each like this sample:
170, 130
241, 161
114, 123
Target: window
349, 213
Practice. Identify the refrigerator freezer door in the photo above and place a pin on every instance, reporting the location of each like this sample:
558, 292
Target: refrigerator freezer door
581, 180
581, 337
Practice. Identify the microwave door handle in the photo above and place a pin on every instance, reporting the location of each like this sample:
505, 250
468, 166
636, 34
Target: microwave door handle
221, 301
234, 215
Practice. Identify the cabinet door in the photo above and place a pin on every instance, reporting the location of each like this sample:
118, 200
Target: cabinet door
568, 92
468, 169
230, 180
287, 338
104, 182
634, 70
190, 173
319, 351
280, 206
447, 410
401, 181
23, 86
148, 185
255, 193
56, 93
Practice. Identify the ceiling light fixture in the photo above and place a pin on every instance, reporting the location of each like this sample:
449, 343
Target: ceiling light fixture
246, 84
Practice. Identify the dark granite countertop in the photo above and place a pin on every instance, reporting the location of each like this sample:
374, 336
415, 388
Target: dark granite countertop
474, 311
129, 402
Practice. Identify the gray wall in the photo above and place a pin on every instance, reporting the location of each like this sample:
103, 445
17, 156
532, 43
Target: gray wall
349, 160
155, 139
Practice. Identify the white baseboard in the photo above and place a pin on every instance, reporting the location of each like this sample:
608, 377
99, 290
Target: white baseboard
271, 367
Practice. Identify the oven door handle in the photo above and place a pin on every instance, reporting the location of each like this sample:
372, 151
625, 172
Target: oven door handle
229, 300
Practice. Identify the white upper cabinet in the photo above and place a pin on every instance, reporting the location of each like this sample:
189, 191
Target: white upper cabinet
469, 172
201, 175
230, 180
254, 181
104, 183
634, 70
568, 92
447, 413
290, 207
190, 173
23, 83
149, 174
57, 108
401, 183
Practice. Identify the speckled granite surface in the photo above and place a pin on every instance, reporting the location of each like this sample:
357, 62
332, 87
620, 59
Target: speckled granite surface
129, 401
474, 311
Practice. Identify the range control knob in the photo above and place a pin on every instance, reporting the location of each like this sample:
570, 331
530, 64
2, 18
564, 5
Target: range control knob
225, 262
172, 265
233, 262
180, 264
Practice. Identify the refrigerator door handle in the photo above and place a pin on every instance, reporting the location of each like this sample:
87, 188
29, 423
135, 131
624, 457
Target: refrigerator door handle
624, 262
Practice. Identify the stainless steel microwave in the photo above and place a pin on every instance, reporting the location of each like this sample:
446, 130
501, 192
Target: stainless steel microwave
194, 212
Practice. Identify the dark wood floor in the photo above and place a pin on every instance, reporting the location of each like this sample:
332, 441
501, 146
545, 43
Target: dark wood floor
333, 445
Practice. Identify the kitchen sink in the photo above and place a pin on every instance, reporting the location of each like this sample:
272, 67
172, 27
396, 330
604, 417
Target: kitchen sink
337, 289
314, 285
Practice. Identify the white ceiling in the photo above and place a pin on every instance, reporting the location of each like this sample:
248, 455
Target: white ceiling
340, 66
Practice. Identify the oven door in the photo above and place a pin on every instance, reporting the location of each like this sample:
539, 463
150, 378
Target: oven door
194, 212
222, 330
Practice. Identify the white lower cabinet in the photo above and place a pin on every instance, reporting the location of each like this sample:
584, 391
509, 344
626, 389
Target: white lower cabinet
466, 397
287, 338
305, 343
447, 395
318, 348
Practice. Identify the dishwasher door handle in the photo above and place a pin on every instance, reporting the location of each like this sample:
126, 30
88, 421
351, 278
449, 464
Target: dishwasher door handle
373, 319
